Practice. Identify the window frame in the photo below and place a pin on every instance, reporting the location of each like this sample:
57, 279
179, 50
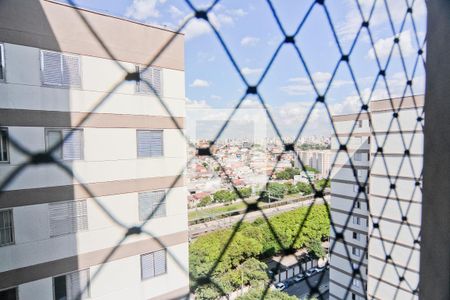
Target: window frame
154, 275
65, 275
165, 203
61, 54
8, 158
47, 129
137, 143
356, 251
16, 288
13, 234
2, 63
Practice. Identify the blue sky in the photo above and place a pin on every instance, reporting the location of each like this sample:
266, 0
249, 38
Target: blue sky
252, 35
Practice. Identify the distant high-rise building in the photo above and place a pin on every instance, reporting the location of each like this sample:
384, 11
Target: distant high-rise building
375, 249
318, 159
59, 80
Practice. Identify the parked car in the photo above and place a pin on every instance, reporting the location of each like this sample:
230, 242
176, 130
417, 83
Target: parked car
311, 272
280, 286
299, 277
320, 269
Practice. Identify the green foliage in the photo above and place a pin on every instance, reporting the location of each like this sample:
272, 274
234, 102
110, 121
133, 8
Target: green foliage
245, 192
252, 241
276, 190
316, 249
205, 201
311, 169
320, 184
287, 173
224, 196
258, 293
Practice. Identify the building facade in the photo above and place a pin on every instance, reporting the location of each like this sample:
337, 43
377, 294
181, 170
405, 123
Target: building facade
108, 220
377, 255
395, 198
349, 209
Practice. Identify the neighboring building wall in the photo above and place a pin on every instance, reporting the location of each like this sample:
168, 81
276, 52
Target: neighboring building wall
351, 255
396, 210
109, 166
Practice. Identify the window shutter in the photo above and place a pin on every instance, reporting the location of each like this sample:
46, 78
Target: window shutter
72, 147
51, 68
77, 284
6, 228
80, 220
71, 70
159, 204
150, 77
54, 137
60, 218
145, 205
160, 262
3, 145
68, 217
157, 81
146, 80
150, 143
152, 204
147, 266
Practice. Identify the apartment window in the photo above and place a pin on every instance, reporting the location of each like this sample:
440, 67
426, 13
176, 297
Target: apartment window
149, 78
75, 285
353, 296
72, 145
6, 227
60, 69
356, 251
152, 205
356, 236
4, 142
356, 220
9, 294
355, 188
360, 123
150, 143
361, 174
2, 65
358, 156
358, 204
355, 266
356, 282
153, 264
67, 217
357, 140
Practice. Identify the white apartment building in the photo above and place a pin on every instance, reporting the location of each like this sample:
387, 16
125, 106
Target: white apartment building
57, 241
384, 240
349, 210
395, 199
320, 160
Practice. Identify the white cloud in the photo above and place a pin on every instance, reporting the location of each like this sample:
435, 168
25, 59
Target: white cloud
302, 85
204, 56
175, 12
216, 97
219, 18
379, 20
190, 104
251, 71
199, 83
142, 10
249, 41
383, 46
239, 12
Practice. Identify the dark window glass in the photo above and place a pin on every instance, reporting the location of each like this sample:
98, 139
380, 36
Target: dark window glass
59, 284
10, 294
